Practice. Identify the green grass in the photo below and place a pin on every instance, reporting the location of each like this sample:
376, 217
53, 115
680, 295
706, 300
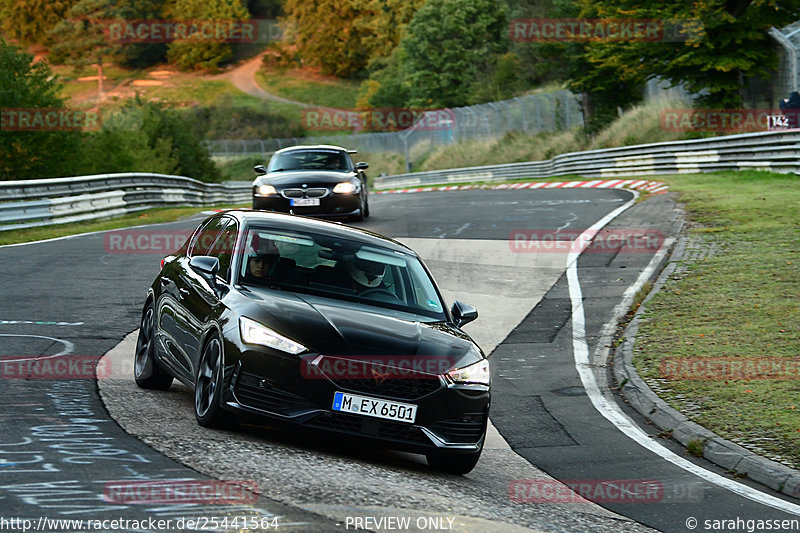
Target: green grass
150, 216
301, 86
639, 125
741, 301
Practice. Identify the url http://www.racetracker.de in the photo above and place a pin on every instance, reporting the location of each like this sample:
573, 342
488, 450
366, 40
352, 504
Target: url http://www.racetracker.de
742, 524
199, 523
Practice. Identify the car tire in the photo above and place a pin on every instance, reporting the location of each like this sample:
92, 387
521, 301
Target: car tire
208, 386
360, 216
366, 207
146, 370
453, 463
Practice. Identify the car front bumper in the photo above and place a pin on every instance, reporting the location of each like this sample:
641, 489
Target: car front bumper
448, 418
332, 205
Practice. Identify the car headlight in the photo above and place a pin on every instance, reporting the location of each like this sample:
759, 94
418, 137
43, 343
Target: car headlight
265, 190
255, 333
477, 374
345, 188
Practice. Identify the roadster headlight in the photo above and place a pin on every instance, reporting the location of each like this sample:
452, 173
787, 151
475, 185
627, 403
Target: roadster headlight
477, 373
265, 190
344, 187
255, 333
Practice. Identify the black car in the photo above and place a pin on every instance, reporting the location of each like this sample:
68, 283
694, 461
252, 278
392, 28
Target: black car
318, 181
320, 325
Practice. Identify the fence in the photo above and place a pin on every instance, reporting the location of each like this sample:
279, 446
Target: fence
31, 203
778, 151
52, 201
530, 113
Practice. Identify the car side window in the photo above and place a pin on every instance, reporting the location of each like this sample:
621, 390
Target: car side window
204, 238
223, 248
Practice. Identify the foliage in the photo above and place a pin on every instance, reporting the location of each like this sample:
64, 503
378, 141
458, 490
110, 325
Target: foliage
724, 41
31, 20
79, 37
147, 137
227, 121
343, 37
195, 52
139, 55
27, 85
449, 50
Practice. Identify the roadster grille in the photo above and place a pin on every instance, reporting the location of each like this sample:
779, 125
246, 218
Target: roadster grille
317, 192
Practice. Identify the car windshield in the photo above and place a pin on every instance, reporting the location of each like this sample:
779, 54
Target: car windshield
333, 267
310, 160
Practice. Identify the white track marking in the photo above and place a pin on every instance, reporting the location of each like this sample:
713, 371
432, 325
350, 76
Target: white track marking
606, 407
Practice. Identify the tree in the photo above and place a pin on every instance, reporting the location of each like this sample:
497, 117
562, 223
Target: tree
147, 137
32, 154
726, 41
343, 37
31, 20
197, 52
80, 38
448, 46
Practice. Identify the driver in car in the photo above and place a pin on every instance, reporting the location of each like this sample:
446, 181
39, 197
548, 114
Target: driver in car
364, 275
262, 263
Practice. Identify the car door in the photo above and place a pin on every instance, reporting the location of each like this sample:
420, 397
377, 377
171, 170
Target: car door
175, 322
202, 297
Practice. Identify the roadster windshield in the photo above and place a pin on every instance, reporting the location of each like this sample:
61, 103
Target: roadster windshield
338, 268
310, 160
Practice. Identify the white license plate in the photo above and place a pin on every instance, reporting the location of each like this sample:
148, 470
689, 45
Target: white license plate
304, 202
363, 405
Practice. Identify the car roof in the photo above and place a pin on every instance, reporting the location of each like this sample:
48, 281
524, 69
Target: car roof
314, 147
333, 229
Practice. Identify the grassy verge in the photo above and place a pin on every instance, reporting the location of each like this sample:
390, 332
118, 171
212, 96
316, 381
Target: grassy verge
302, 85
736, 299
149, 216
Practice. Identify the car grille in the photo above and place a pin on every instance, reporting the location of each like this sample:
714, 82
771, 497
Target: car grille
403, 389
253, 391
371, 427
467, 428
318, 192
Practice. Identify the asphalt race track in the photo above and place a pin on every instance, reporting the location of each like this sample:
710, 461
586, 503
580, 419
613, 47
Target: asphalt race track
64, 441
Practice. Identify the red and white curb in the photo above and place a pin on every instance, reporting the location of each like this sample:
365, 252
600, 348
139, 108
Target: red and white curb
653, 187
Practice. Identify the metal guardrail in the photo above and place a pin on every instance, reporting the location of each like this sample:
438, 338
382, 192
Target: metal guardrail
777, 151
31, 203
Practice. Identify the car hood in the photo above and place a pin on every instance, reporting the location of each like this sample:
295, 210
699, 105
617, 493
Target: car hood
336, 328
294, 178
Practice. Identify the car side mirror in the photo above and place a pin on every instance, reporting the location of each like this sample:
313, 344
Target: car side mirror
207, 266
260, 169
463, 313
362, 166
